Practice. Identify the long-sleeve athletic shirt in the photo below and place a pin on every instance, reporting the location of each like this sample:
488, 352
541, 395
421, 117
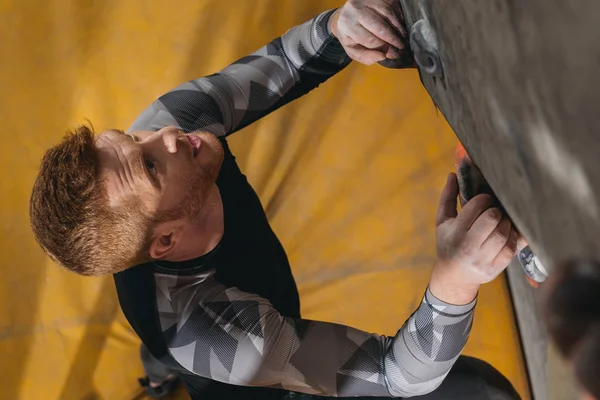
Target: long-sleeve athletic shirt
233, 315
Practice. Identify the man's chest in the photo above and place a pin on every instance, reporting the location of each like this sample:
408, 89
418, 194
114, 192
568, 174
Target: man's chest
253, 260
251, 256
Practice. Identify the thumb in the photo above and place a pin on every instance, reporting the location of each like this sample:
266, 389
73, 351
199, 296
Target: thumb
448, 202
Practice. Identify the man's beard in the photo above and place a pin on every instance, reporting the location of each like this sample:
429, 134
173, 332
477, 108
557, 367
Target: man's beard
198, 186
201, 183
198, 190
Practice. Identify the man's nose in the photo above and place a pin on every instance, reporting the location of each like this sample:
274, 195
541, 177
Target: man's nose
169, 136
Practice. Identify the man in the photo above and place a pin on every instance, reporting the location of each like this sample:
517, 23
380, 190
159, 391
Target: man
201, 276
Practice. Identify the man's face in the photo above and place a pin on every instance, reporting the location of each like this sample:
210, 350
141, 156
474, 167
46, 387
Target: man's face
168, 171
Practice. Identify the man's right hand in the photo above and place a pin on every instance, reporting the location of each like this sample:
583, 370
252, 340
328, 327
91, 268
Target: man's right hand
370, 30
473, 246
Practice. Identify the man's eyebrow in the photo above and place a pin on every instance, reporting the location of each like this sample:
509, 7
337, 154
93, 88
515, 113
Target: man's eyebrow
129, 135
119, 131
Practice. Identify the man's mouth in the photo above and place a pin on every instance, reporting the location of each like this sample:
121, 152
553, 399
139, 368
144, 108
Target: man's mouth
195, 141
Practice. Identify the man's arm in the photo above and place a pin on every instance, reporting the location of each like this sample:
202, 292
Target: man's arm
252, 87
238, 338
285, 69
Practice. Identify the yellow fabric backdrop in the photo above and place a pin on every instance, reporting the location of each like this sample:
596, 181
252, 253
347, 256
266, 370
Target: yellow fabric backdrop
349, 175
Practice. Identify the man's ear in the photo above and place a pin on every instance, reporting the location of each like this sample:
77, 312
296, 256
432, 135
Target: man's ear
164, 241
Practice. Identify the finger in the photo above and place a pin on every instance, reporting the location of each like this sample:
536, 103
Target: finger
391, 16
472, 210
397, 8
447, 206
364, 55
497, 239
484, 226
521, 243
508, 252
380, 28
361, 36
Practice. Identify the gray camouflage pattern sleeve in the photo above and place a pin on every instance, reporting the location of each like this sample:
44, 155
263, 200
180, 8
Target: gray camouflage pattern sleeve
238, 338
253, 86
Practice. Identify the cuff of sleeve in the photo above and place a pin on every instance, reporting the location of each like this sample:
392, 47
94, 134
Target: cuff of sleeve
328, 47
327, 16
446, 308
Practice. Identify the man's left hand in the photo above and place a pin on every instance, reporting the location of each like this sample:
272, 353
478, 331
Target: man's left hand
370, 30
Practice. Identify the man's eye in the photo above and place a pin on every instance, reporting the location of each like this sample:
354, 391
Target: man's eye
150, 166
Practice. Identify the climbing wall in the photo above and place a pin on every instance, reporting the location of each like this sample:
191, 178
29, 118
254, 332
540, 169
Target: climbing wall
349, 175
518, 82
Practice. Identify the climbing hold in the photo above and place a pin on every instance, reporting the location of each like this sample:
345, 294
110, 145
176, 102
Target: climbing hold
425, 49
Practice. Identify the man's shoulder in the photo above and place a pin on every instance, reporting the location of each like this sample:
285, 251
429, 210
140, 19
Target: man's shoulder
186, 108
153, 118
136, 291
134, 282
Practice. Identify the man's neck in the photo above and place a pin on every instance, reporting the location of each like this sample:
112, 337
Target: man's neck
206, 232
